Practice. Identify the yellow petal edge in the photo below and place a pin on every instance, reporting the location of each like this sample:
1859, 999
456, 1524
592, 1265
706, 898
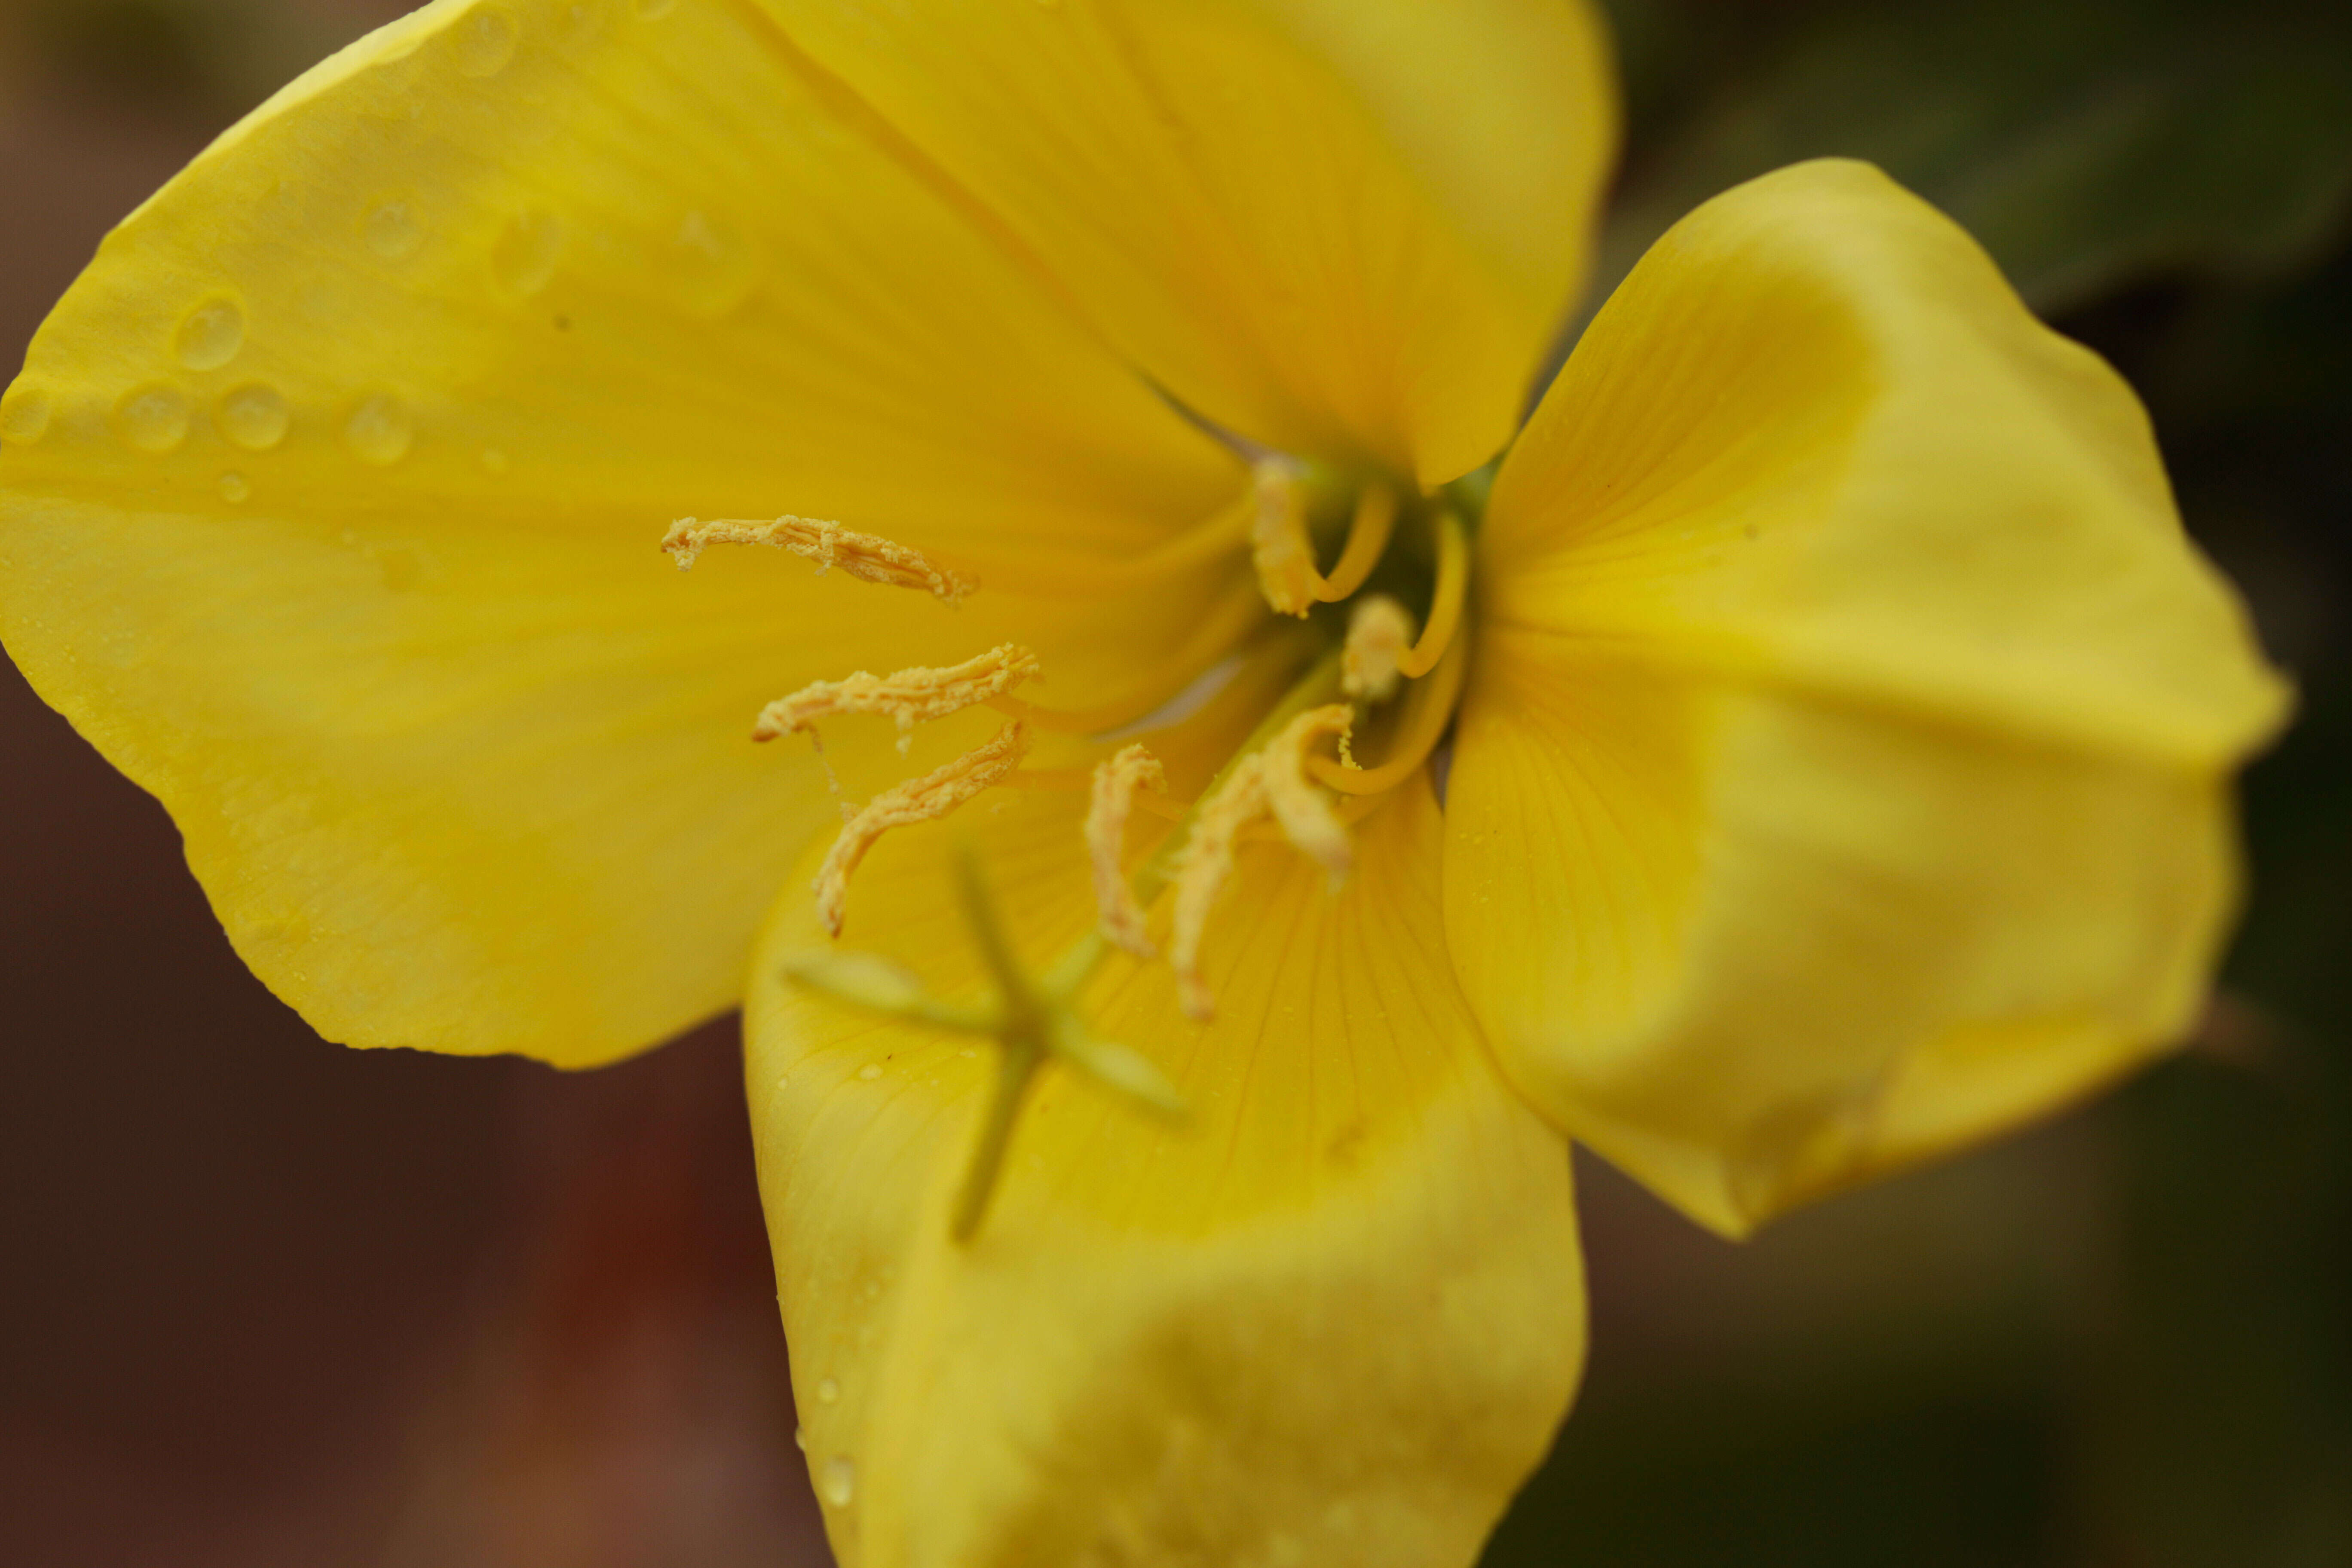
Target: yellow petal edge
1345, 228
1334, 1318
1846, 772
330, 498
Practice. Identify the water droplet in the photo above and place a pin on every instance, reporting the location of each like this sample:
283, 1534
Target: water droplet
828, 1393
235, 487
496, 461
870, 1071
713, 266
486, 42
153, 418
211, 335
379, 431
840, 1483
649, 10
24, 415
524, 257
392, 231
800, 1439
252, 416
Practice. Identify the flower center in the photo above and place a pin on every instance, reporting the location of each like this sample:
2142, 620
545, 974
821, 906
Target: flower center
1366, 672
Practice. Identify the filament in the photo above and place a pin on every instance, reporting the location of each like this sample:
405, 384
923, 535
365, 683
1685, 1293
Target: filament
1445, 604
1428, 708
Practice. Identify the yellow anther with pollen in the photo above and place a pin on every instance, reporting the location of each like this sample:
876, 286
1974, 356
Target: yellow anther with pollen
1280, 546
925, 799
1379, 632
1428, 709
1117, 781
867, 557
1303, 810
1271, 779
909, 696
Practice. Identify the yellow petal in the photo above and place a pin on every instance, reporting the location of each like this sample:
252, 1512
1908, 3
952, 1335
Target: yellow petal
1844, 775
332, 495
1335, 1317
1343, 227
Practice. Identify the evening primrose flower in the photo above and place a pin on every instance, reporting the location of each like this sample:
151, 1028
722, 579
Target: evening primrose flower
1082, 410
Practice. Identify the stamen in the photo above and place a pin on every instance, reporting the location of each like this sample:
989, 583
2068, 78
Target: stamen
1280, 546
1429, 707
925, 799
1117, 781
1446, 603
1304, 811
1273, 779
867, 557
1379, 632
909, 696
1202, 869
1283, 548
1367, 540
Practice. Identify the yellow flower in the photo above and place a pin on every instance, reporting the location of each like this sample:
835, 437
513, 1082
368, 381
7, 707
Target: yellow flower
1840, 773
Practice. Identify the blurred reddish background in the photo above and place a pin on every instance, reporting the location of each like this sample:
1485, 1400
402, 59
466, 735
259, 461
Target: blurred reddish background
267, 1301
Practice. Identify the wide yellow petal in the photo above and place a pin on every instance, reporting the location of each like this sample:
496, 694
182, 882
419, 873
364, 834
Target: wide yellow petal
1343, 227
1844, 774
330, 496
1335, 1317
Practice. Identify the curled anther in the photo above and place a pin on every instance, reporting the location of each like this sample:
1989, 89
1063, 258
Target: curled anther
1272, 780
923, 799
1202, 869
1380, 631
1302, 808
909, 696
1117, 783
868, 557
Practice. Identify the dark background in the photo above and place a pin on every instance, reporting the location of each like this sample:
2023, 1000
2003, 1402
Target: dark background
265, 1301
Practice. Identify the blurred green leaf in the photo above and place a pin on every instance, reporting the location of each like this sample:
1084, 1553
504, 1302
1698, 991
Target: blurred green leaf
2088, 145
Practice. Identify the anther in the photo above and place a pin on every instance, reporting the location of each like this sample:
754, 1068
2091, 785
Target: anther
1271, 779
1118, 782
1379, 632
867, 557
1202, 869
1283, 545
1304, 811
1280, 546
909, 696
925, 799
